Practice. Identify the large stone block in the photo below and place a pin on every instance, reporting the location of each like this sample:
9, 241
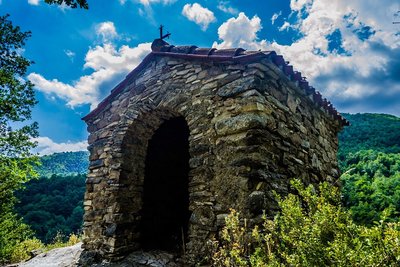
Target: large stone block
241, 123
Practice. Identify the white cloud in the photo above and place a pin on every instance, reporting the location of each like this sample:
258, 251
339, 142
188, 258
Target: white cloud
299, 5
224, 6
47, 146
275, 16
83, 91
70, 54
240, 32
365, 69
198, 14
323, 18
107, 61
286, 25
106, 31
33, 2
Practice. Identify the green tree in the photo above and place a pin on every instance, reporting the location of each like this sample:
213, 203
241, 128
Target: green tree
16, 161
371, 186
70, 3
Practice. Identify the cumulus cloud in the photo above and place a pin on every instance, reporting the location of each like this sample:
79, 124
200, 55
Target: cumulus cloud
240, 32
361, 73
106, 31
33, 2
47, 146
225, 6
198, 14
108, 63
300, 5
81, 92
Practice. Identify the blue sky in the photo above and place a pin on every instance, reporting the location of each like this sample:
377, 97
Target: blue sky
348, 50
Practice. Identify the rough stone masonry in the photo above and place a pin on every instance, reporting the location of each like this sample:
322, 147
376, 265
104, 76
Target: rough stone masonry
189, 134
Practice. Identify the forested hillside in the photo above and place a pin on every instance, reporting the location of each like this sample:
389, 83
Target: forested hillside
65, 163
370, 161
53, 205
378, 132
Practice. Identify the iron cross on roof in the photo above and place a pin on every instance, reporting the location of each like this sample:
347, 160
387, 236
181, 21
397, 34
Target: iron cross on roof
161, 33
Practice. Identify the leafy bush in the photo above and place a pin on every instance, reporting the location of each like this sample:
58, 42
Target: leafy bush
312, 229
12, 232
59, 242
22, 251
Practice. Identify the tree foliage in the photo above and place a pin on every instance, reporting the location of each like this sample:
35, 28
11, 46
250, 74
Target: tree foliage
12, 232
16, 101
371, 186
16, 94
70, 3
52, 206
312, 229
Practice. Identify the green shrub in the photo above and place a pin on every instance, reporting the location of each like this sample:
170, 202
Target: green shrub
61, 241
12, 232
311, 229
22, 250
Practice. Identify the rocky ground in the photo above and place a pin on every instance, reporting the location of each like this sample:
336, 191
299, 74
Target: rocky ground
60, 257
69, 256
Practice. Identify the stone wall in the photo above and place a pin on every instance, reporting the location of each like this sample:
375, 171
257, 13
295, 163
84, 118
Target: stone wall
251, 131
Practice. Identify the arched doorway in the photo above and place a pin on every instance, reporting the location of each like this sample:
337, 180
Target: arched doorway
165, 212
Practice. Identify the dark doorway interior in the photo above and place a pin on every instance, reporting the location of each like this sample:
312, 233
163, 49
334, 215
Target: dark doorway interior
165, 213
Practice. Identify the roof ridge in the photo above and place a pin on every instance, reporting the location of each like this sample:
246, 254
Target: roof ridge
238, 55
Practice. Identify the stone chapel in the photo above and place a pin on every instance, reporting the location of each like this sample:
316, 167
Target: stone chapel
192, 132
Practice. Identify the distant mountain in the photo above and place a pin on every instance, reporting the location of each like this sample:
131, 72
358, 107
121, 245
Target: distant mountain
378, 132
64, 164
